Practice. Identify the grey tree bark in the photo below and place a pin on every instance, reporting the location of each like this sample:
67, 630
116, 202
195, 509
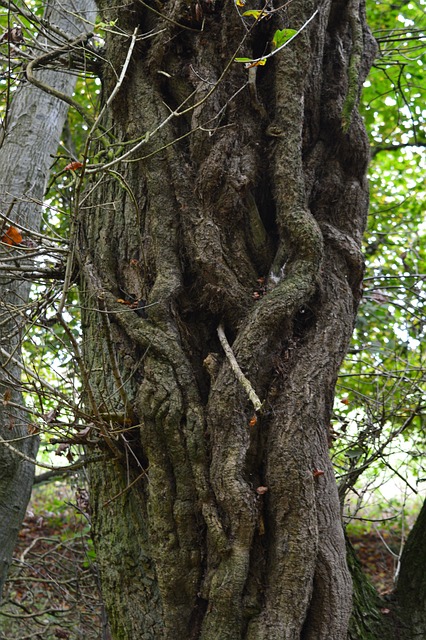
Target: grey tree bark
29, 138
213, 519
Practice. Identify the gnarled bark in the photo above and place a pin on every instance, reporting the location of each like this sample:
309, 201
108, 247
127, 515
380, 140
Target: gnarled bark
252, 219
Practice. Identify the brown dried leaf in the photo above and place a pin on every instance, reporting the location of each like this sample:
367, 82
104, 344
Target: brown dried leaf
33, 429
51, 415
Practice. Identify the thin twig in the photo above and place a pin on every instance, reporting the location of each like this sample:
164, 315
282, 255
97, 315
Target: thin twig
43, 465
113, 360
118, 83
129, 486
245, 383
49, 57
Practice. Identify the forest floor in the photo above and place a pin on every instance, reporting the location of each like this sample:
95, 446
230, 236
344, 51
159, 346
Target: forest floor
375, 552
53, 587
52, 591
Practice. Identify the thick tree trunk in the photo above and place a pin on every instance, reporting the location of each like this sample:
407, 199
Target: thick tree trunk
252, 221
30, 138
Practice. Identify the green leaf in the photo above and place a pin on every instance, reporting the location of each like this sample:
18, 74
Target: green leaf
105, 25
254, 14
249, 62
354, 453
281, 36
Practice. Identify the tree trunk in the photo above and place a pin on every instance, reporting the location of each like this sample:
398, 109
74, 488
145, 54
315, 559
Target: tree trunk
367, 622
29, 138
411, 586
243, 212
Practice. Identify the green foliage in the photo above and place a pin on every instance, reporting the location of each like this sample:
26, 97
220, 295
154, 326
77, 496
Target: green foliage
253, 13
279, 40
381, 392
281, 36
395, 93
392, 515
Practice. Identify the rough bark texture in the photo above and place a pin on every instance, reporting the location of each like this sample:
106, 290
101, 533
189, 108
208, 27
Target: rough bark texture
29, 138
269, 186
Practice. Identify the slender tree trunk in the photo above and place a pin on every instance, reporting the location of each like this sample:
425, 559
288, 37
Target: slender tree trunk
411, 586
213, 519
30, 137
368, 621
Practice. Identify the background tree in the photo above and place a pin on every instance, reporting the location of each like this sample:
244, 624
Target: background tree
32, 124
